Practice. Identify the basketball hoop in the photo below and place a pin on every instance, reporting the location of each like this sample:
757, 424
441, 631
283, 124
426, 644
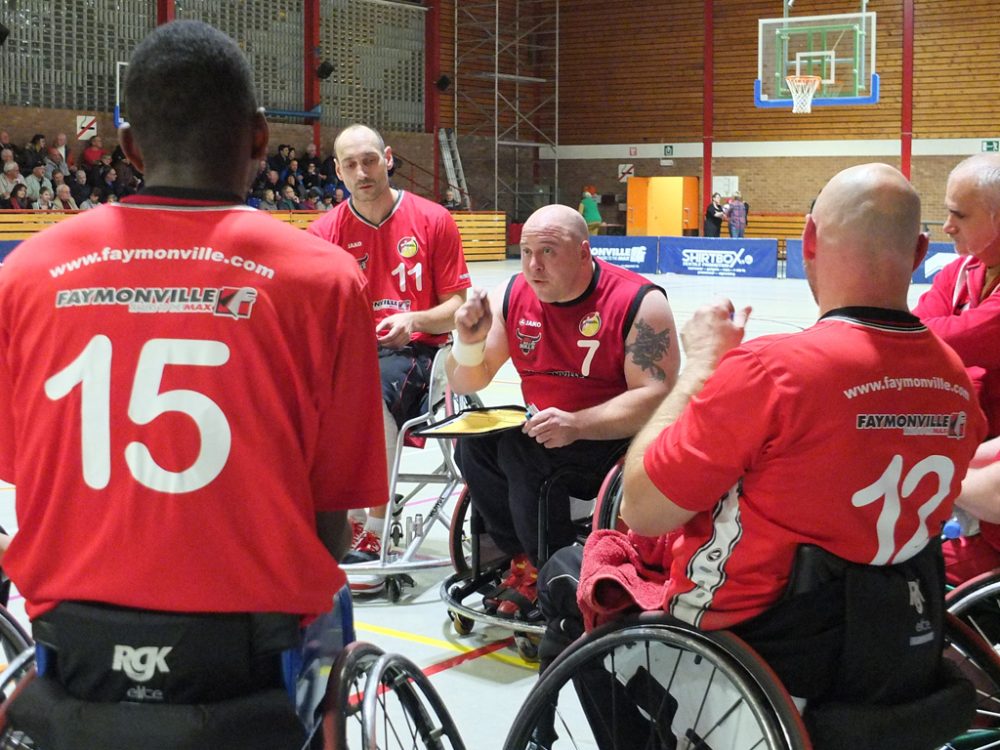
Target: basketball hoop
803, 88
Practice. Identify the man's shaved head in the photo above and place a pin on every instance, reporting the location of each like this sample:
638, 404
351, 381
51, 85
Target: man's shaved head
558, 215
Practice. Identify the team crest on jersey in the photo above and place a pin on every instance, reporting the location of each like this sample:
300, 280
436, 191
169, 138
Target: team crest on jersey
527, 342
363, 262
407, 247
590, 324
236, 302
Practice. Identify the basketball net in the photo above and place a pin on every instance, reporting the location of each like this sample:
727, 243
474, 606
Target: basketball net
803, 88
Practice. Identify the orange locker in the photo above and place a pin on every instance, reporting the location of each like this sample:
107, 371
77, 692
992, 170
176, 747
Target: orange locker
662, 206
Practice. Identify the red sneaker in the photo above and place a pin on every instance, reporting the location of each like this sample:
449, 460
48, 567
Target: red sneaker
521, 603
368, 547
518, 567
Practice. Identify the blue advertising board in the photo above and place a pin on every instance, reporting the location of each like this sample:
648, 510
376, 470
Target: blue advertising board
939, 254
6, 246
794, 268
634, 253
716, 256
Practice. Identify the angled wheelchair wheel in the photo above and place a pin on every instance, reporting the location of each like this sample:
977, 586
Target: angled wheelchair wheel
976, 602
980, 664
607, 509
658, 684
402, 711
17, 674
342, 715
14, 639
460, 534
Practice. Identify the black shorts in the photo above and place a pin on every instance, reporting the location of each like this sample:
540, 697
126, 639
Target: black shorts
406, 375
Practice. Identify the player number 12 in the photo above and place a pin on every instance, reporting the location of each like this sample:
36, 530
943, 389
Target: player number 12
91, 370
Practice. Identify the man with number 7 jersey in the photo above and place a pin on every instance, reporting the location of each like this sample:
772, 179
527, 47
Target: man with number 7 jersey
187, 385
596, 348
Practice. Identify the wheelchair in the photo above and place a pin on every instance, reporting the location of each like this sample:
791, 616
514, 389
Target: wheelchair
479, 565
411, 531
370, 700
674, 686
977, 603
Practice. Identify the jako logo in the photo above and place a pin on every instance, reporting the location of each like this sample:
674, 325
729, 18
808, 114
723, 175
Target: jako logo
140, 664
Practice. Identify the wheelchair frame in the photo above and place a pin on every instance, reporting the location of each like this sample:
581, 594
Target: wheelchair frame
473, 573
395, 565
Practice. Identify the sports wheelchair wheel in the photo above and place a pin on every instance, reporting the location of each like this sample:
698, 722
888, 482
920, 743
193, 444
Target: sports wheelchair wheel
655, 683
607, 508
19, 671
976, 602
378, 701
460, 534
980, 664
14, 639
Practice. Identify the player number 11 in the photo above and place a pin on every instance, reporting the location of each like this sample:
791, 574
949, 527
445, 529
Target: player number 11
91, 370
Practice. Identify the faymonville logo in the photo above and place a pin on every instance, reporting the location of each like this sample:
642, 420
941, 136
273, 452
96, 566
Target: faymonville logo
227, 302
716, 258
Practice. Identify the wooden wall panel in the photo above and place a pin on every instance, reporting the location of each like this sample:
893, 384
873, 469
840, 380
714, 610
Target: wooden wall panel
955, 82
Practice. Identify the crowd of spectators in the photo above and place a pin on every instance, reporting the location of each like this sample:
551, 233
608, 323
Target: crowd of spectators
47, 177
41, 176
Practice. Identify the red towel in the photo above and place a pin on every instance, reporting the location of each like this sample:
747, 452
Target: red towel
623, 573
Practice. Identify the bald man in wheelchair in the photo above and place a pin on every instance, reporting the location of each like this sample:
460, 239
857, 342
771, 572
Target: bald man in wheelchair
792, 488
596, 348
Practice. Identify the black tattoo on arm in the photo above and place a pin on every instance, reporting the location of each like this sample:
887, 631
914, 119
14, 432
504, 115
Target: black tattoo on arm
649, 348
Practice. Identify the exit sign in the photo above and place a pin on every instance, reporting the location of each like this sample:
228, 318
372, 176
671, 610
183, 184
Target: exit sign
991, 145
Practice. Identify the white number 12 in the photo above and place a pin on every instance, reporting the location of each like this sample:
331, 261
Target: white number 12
889, 488
92, 371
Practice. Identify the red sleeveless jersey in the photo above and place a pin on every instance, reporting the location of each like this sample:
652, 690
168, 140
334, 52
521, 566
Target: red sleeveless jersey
571, 355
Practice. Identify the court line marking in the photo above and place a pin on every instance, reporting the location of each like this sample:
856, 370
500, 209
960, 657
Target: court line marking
515, 661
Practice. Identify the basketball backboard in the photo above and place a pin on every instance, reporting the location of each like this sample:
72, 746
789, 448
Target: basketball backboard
840, 49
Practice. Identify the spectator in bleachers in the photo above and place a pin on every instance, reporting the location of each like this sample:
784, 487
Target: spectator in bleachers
295, 183
267, 202
109, 184
93, 201
260, 179
79, 187
57, 179
11, 176
97, 172
339, 196
329, 172
311, 178
326, 203
128, 178
37, 181
55, 164
64, 151
311, 157
34, 153
64, 199
313, 199
289, 199
18, 199
279, 161
44, 202
93, 153
5, 143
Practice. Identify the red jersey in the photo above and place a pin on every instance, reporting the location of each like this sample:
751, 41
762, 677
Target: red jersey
853, 435
411, 259
187, 384
571, 355
953, 310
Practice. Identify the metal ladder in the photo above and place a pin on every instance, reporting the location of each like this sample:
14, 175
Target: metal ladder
453, 164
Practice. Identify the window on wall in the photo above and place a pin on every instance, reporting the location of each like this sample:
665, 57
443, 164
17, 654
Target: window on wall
377, 51
61, 54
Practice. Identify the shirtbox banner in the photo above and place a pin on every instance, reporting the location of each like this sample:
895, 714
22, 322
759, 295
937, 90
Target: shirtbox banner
634, 253
939, 254
718, 256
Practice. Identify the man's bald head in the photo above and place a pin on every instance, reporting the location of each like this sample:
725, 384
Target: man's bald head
863, 238
984, 172
560, 217
358, 132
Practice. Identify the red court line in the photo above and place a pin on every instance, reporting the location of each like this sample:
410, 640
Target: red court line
454, 661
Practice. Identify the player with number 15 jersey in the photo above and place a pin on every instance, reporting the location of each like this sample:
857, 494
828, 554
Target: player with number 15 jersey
190, 380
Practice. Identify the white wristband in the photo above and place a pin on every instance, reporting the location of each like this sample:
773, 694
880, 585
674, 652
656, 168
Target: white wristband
468, 355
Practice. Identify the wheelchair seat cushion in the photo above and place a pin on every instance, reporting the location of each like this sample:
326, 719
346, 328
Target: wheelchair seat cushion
105, 653
56, 720
927, 722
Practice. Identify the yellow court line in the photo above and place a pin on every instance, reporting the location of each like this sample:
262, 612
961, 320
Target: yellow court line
515, 661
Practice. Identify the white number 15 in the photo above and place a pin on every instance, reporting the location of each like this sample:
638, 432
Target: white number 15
91, 370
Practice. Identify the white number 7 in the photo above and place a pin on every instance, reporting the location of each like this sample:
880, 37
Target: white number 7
591, 346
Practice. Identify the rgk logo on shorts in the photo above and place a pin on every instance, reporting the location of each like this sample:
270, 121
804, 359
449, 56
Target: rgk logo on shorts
140, 664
